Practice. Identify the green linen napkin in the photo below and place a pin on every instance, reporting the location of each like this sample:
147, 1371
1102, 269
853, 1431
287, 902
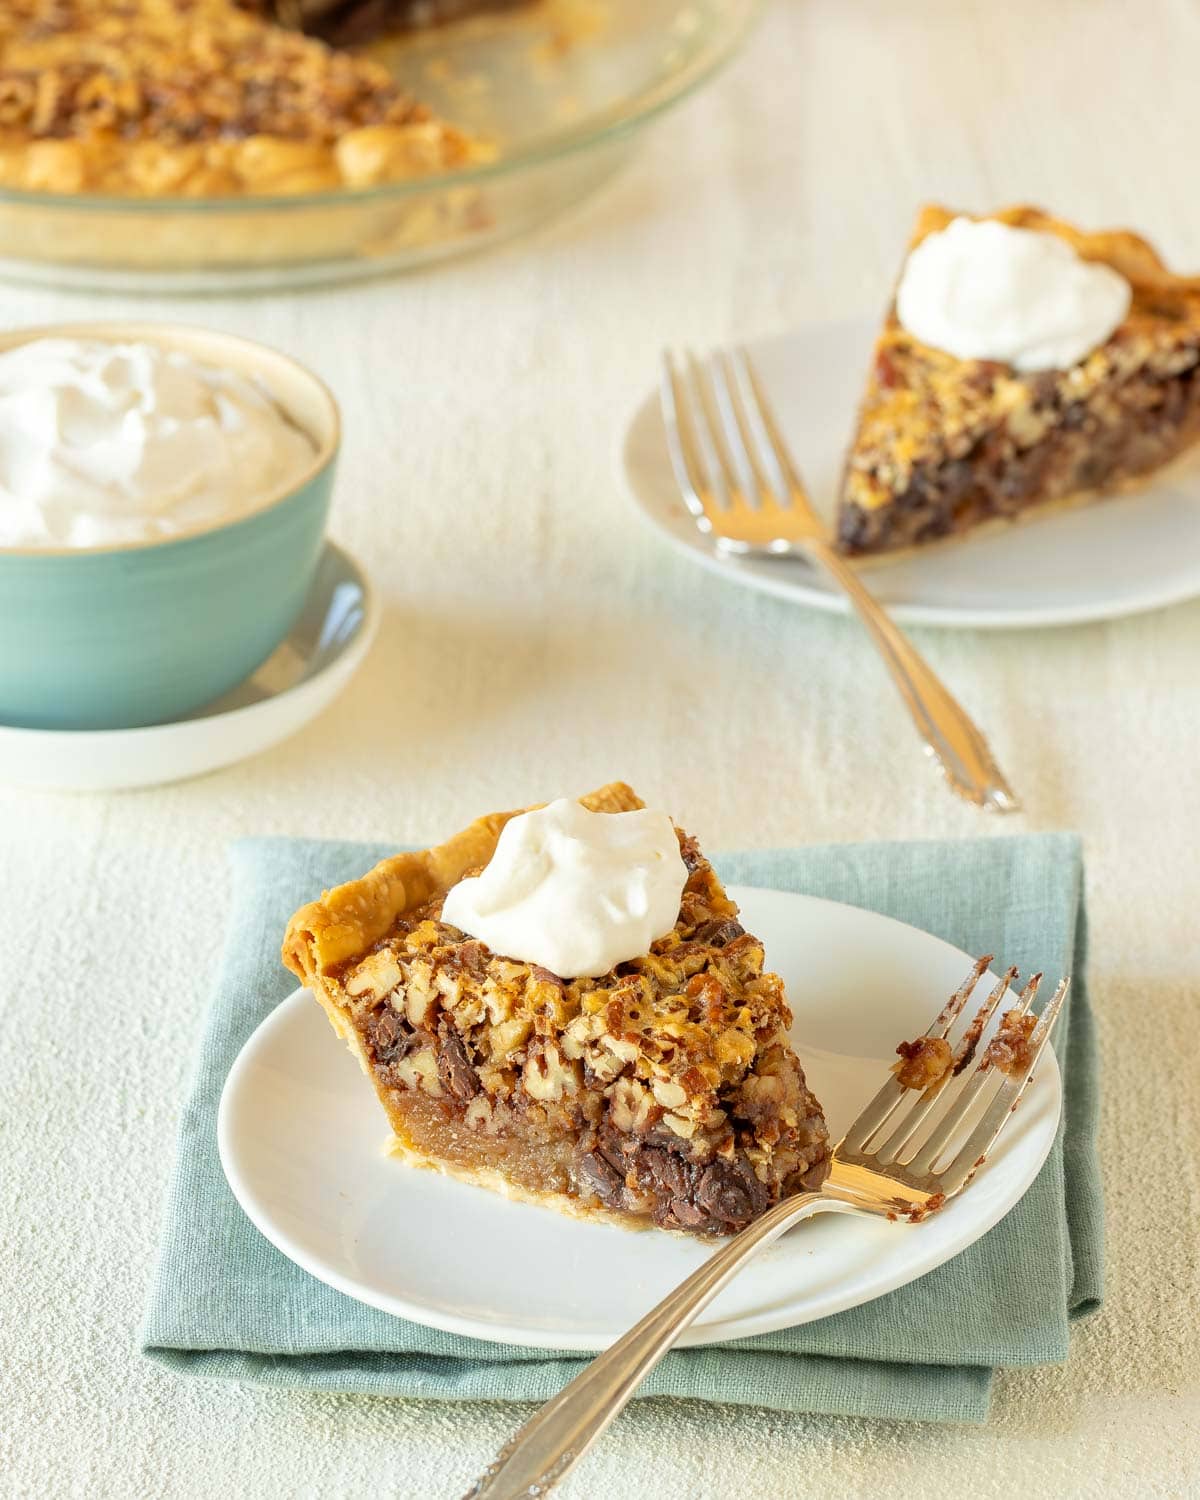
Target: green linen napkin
225, 1304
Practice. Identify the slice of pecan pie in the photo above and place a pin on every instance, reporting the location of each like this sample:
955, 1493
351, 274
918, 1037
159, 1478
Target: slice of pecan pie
945, 445
664, 1091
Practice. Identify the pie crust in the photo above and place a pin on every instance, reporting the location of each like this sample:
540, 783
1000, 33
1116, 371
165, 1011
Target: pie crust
665, 1092
946, 446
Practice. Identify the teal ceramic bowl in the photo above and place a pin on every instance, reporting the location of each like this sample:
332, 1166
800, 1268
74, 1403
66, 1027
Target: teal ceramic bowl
117, 637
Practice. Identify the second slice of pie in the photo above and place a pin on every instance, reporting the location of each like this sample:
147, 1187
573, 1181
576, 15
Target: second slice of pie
953, 438
662, 1091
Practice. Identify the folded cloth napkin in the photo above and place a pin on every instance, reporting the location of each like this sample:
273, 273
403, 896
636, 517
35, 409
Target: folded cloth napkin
225, 1304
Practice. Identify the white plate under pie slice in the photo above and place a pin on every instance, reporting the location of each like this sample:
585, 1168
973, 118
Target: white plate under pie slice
1120, 556
303, 1143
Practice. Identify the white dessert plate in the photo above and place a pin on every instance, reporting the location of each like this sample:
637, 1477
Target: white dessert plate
323, 650
1132, 553
303, 1144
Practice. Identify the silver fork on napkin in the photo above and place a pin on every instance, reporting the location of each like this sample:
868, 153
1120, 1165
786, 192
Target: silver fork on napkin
892, 1163
743, 488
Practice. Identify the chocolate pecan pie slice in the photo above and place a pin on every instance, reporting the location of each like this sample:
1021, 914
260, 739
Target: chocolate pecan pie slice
945, 445
663, 1092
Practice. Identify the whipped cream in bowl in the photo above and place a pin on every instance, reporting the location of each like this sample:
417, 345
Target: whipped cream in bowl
980, 289
163, 498
107, 443
574, 891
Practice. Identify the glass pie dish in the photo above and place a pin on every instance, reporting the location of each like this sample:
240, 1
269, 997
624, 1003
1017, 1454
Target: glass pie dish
562, 89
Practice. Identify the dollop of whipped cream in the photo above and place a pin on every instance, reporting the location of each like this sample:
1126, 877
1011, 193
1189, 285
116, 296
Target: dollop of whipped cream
983, 290
103, 444
574, 891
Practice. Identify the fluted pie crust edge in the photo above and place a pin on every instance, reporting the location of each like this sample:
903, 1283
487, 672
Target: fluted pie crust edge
349, 919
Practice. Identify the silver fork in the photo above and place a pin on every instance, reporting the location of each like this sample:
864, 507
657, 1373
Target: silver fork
889, 1163
745, 492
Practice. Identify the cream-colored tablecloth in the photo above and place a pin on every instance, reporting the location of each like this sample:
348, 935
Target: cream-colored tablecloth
538, 639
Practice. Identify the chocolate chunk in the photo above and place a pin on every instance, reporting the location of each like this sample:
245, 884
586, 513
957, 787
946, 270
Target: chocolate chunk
688, 1216
616, 1150
385, 1029
454, 1066
473, 956
1076, 415
719, 931
663, 1171
1044, 388
1092, 471
389, 1036
598, 1175
731, 1193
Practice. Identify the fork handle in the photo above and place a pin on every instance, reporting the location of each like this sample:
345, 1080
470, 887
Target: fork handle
947, 729
553, 1441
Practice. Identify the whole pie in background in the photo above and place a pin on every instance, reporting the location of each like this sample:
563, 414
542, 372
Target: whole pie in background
663, 1092
203, 99
946, 445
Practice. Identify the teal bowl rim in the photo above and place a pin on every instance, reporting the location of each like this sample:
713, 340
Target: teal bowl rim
252, 357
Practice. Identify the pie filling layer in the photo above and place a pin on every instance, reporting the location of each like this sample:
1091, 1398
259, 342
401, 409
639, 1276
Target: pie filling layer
1125, 430
663, 1092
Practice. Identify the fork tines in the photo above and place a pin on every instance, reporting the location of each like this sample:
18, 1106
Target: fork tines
911, 1150
731, 463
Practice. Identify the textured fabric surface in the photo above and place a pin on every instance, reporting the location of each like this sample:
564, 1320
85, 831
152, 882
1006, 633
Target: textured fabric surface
537, 638
227, 1304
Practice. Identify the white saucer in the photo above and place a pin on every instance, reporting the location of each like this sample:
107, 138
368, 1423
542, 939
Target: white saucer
1120, 557
303, 1144
302, 676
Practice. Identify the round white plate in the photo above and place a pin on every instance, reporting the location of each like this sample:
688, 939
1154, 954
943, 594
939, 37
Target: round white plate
303, 1144
1134, 552
301, 677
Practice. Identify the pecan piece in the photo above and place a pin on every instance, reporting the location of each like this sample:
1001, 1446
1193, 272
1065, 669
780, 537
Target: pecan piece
926, 1061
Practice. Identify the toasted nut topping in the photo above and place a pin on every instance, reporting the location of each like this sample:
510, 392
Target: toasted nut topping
419, 1070
669, 1093
546, 1076
419, 1001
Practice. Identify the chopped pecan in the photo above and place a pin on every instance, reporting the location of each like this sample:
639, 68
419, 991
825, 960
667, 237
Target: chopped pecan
1009, 1049
926, 1061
